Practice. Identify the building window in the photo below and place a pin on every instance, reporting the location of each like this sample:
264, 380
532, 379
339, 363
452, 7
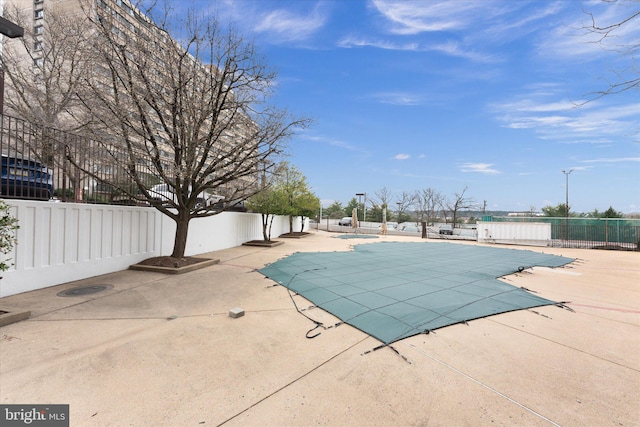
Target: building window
38, 14
37, 1
37, 46
38, 29
38, 62
128, 10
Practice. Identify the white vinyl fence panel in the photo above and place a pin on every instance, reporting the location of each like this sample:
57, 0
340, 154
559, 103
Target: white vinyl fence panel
63, 242
516, 233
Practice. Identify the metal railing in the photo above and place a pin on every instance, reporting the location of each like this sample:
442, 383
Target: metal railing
611, 234
585, 232
49, 164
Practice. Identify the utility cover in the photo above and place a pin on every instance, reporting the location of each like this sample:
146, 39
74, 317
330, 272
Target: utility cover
394, 290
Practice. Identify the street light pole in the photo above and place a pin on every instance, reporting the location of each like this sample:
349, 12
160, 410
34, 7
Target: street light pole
364, 209
360, 200
566, 205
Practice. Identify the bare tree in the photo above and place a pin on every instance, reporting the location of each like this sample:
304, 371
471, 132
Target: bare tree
193, 115
46, 67
427, 202
611, 37
382, 197
380, 204
459, 203
405, 203
44, 70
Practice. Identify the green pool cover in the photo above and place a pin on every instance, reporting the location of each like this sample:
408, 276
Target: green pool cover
392, 291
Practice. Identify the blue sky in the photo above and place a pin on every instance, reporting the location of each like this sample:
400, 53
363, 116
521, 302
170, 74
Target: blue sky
488, 95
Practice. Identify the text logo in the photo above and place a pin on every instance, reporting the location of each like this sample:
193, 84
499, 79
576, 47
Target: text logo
34, 415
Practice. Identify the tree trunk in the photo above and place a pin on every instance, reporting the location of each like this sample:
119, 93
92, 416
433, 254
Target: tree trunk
290, 223
265, 224
180, 242
270, 224
302, 224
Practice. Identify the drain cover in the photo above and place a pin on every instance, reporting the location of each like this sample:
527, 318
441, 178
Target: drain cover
84, 290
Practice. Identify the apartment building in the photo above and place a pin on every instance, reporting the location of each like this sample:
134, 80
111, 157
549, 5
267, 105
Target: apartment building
151, 49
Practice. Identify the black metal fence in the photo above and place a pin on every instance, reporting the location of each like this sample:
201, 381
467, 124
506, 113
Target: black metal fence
48, 164
610, 234
577, 232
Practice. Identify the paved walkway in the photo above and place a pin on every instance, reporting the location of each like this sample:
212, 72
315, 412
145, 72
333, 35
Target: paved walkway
158, 350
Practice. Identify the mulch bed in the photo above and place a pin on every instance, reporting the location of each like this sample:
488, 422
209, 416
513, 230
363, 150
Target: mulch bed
295, 234
262, 243
171, 262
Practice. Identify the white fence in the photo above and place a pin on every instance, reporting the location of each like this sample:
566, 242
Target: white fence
62, 242
517, 233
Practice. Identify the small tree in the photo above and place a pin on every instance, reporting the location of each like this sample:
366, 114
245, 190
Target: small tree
293, 185
335, 211
458, 203
558, 211
306, 205
8, 238
353, 204
269, 202
374, 213
611, 213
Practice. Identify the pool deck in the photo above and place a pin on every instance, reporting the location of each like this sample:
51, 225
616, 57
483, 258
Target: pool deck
162, 350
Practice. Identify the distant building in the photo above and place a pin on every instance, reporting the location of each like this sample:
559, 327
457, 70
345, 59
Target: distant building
524, 214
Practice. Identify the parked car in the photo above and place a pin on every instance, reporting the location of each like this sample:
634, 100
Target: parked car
235, 206
164, 192
345, 221
446, 229
25, 178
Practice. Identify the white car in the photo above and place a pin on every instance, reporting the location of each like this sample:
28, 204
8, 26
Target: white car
165, 192
345, 221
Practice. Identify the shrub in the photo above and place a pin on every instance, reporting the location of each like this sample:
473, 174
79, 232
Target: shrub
8, 239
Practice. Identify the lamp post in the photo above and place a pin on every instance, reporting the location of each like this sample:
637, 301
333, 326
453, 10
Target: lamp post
360, 202
566, 204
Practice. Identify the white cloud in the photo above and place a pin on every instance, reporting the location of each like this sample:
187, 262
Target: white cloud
484, 168
451, 48
398, 98
551, 116
613, 160
353, 41
401, 156
413, 17
333, 142
287, 26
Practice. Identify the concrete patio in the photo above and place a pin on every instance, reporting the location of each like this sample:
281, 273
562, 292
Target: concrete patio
161, 350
